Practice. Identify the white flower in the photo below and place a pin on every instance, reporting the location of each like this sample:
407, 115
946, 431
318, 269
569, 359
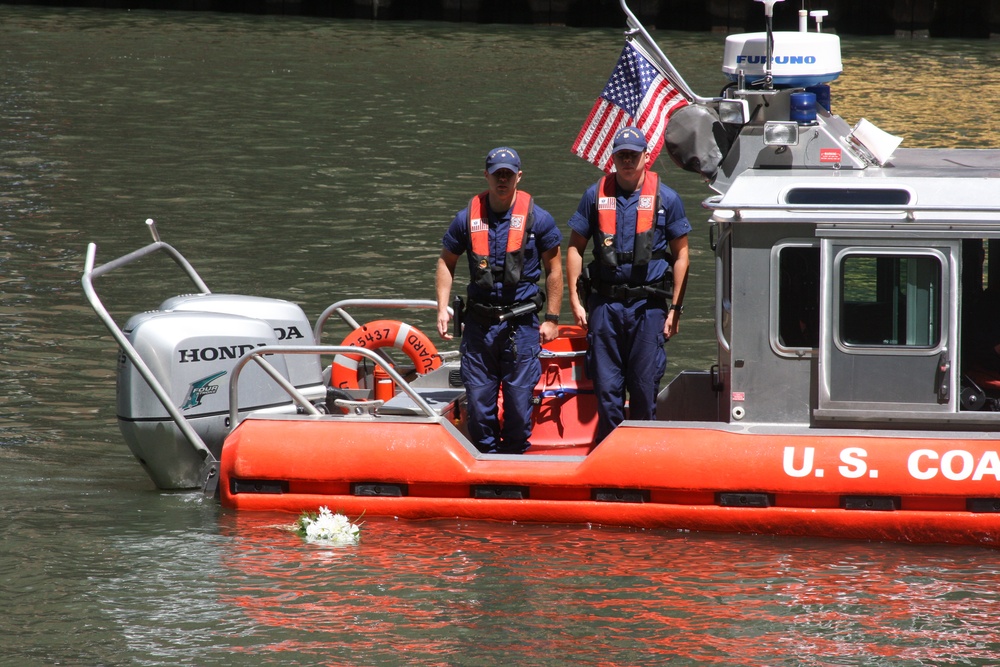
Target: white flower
328, 528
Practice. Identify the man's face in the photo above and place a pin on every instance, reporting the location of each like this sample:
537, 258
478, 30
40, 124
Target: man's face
628, 162
503, 182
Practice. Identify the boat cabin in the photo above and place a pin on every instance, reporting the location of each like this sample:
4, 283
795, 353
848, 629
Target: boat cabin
853, 282
858, 297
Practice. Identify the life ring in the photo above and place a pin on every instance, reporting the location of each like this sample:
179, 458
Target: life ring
383, 333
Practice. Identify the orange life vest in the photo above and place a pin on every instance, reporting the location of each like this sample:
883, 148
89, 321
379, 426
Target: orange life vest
607, 221
521, 219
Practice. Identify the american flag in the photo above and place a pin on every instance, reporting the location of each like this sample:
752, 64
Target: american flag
638, 94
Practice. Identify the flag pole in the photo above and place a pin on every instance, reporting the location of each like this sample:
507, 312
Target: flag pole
635, 26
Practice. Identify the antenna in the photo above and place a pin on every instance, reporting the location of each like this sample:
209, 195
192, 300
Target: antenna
769, 21
818, 15
769, 8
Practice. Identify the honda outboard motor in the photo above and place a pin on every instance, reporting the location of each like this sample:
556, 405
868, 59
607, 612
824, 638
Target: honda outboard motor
286, 319
191, 345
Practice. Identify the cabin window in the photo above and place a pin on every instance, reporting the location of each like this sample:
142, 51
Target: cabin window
798, 296
890, 300
848, 196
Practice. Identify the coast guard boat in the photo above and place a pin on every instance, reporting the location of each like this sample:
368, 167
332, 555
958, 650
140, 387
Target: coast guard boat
853, 395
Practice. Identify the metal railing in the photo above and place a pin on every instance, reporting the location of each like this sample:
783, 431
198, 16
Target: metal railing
907, 211
209, 468
257, 356
338, 308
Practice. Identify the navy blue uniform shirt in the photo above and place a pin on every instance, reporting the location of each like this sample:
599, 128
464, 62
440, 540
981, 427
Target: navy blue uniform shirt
544, 236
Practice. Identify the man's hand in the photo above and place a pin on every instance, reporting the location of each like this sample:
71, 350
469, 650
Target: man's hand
548, 332
444, 324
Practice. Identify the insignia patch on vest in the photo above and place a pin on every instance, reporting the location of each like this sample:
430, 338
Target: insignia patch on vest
478, 225
606, 203
646, 203
517, 222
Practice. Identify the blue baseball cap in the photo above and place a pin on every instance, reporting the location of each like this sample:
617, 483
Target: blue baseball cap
503, 158
629, 139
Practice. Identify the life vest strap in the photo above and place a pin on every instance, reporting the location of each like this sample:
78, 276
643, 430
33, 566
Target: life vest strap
626, 257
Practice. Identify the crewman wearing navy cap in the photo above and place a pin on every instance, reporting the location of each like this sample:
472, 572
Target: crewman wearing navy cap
633, 289
509, 240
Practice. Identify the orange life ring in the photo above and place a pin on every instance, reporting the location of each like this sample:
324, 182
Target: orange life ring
383, 333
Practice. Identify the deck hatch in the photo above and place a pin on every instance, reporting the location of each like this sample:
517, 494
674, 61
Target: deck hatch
620, 495
873, 503
983, 505
383, 490
500, 491
732, 499
271, 486
848, 196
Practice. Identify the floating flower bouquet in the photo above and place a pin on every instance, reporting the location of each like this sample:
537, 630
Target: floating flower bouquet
327, 527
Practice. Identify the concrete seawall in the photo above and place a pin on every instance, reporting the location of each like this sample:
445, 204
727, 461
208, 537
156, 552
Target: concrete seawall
970, 19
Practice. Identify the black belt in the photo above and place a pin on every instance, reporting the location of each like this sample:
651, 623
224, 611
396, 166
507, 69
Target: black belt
487, 314
628, 293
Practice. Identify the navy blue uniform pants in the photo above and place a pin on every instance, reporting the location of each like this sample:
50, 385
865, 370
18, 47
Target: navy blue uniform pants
625, 354
501, 357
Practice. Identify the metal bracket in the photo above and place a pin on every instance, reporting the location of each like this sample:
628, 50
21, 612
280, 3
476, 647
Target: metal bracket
210, 477
359, 408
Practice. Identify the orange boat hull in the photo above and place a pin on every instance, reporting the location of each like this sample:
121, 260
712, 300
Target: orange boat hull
909, 489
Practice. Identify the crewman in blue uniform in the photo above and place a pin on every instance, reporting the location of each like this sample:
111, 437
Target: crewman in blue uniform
632, 292
509, 240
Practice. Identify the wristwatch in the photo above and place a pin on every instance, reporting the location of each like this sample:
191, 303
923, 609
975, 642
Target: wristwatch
679, 308
549, 317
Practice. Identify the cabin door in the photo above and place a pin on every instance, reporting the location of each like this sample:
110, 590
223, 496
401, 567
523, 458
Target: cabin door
888, 328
